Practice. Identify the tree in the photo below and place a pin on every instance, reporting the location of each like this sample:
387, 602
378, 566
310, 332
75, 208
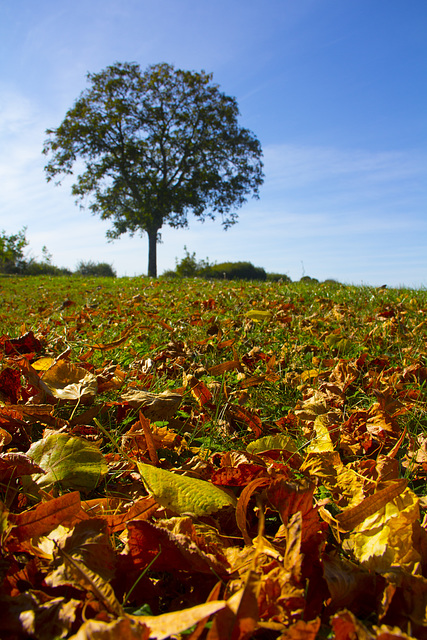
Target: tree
12, 247
156, 145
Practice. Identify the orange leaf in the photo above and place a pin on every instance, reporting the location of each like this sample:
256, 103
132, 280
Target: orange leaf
242, 505
223, 367
145, 424
115, 343
45, 516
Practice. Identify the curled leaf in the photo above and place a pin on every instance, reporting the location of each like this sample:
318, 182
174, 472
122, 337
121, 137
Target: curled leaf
67, 381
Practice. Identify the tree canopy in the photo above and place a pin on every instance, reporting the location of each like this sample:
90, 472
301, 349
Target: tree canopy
156, 146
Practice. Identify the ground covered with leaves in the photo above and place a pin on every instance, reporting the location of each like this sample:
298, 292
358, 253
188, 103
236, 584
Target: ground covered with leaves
227, 460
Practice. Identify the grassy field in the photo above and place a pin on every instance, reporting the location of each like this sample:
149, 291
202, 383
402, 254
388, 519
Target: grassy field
303, 405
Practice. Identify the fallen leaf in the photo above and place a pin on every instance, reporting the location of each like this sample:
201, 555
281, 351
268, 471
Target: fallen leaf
73, 462
182, 494
68, 381
45, 517
154, 406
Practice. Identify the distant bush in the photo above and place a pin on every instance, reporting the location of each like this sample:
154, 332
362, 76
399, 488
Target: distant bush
170, 274
236, 271
34, 268
190, 267
308, 279
278, 277
102, 269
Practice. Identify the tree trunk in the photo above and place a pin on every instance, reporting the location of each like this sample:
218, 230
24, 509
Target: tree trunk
152, 253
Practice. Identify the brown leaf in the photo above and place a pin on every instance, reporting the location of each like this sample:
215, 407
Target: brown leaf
302, 630
288, 498
245, 417
243, 503
159, 406
223, 367
27, 343
115, 343
10, 385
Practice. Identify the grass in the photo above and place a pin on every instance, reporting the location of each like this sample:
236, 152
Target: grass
360, 351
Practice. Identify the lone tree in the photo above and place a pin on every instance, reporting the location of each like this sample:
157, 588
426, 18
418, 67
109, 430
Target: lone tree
156, 145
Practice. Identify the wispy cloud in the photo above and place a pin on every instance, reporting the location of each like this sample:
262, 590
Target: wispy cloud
290, 166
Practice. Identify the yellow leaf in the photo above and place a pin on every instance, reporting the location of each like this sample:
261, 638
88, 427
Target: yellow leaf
175, 622
268, 443
309, 373
182, 494
43, 364
322, 441
258, 315
384, 539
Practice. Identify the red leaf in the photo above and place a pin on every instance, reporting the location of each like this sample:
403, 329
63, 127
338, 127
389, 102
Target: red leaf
239, 476
27, 343
14, 465
10, 384
288, 498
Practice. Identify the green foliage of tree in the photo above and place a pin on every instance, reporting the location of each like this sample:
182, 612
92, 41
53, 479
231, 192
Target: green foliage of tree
189, 267
90, 268
12, 259
156, 146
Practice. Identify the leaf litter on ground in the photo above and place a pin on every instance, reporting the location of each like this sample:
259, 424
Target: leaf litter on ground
212, 460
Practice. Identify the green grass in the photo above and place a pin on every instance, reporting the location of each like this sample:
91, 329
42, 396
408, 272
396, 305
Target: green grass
313, 326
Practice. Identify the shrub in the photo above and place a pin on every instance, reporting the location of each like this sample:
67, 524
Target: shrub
34, 268
278, 277
102, 269
236, 271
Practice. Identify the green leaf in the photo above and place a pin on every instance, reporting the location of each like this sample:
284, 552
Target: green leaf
268, 443
182, 494
258, 315
74, 462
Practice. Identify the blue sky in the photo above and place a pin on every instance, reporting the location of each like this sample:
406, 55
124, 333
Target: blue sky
336, 91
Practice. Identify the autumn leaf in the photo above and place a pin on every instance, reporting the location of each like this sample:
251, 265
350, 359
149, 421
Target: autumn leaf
385, 538
179, 549
123, 628
67, 381
45, 517
182, 494
268, 443
73, 462
258, 315
154, 406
